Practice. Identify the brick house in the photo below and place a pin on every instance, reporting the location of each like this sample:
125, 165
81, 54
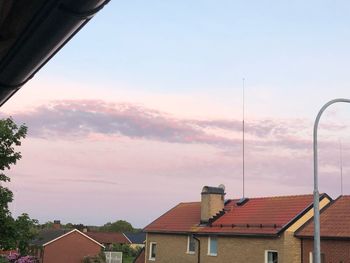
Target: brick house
335, 233
246, 230
62, 245
108, 238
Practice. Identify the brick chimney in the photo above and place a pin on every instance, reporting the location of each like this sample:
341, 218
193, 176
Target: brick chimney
56, 224
212, 202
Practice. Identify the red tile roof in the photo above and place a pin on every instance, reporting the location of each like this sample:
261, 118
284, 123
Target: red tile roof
108, 237
258, 216
179, 219
334, 221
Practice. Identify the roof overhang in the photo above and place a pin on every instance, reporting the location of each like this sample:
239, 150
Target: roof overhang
227, 234
32, 32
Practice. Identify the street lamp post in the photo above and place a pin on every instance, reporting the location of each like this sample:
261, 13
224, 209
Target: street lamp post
317, 239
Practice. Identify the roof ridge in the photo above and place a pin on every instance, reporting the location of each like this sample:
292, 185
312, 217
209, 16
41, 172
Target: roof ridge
277, 196
103, 232
258, 197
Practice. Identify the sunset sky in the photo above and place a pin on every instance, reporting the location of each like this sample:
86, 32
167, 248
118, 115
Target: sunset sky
143, 108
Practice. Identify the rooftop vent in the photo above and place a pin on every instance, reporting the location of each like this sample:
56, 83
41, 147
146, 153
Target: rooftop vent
242, 201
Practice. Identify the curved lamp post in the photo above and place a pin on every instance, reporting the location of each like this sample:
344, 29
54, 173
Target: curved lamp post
317, 239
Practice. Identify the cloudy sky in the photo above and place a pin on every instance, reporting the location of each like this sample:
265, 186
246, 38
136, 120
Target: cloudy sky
143, 108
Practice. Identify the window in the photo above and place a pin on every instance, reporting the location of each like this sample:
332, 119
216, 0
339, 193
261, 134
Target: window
212, 246
191, 245
152, 250
271, 256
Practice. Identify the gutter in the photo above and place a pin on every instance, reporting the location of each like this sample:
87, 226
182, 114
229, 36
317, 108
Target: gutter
50, 28
264, 235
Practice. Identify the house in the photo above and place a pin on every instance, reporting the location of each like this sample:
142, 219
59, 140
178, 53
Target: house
246, 230
335, 233
140, 257
62, 245
137, 240
108, 238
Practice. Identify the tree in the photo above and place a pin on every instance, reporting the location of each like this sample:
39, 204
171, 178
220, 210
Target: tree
118, 226
26, 230
10, 137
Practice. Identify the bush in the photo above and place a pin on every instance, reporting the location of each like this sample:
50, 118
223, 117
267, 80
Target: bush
27, 259
126, 249
96, 259
16, 258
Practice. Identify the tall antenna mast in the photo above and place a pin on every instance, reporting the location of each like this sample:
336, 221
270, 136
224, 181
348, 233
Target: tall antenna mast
243, 141
341, 167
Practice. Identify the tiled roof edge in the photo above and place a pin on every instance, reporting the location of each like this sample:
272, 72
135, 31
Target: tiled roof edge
272, 235
145, 228
298, 216
308, 222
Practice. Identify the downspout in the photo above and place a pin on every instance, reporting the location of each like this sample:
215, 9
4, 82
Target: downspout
302, 250
199, 248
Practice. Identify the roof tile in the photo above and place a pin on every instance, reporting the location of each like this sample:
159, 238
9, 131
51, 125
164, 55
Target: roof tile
334, 220
261, 216
108, 237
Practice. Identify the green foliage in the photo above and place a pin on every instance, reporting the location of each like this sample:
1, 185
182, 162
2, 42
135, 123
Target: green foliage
127, 250
10, 137
117, 226
3, 260
26, 230
100, 258
68, 226
7, 230
128, 259
137, 251
47, 225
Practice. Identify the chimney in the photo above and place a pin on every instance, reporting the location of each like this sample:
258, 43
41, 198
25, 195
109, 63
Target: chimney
56, 224
212, 202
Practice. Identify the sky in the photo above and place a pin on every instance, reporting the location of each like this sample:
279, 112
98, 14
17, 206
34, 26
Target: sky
143, 108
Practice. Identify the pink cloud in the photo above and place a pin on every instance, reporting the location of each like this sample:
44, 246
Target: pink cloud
102, 153
76, 119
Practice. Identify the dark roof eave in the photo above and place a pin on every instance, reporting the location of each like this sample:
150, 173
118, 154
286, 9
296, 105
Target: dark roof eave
344, 238
50, 28
302, 213
308, 222
273, 235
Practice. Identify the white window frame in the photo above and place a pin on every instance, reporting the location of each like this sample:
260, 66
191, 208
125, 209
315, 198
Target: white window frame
188, 246
267, 254
151, 250
209, 241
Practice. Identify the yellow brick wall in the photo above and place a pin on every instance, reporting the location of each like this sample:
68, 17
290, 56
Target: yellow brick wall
172, 249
